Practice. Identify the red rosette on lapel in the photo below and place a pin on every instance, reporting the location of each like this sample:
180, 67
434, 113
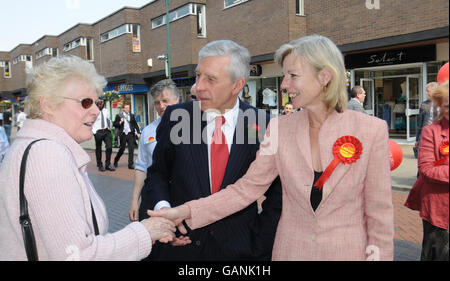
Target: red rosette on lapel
443, 149
346, 150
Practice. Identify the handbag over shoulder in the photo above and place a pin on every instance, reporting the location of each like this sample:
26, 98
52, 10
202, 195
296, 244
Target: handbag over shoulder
24, 219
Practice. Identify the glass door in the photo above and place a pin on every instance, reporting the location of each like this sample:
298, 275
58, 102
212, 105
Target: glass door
413, 87
368, 85
140, 110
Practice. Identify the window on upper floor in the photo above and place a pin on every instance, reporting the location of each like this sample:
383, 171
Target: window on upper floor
6, 68
74, 44
231, 3
89, 49
126, 28
200, 10
183, 11
47, 52
300, 7
20, 58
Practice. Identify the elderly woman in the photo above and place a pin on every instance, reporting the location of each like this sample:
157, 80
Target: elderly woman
69, 219
429, 194
333, 164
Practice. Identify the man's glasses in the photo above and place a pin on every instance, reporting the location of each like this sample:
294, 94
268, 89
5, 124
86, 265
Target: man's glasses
86, 103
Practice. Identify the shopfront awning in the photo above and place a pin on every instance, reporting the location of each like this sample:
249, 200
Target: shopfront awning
126, 88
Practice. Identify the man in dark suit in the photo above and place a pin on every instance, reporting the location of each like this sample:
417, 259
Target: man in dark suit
128, 129
205, 145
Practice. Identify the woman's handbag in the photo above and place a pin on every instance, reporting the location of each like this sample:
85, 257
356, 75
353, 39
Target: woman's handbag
25, 221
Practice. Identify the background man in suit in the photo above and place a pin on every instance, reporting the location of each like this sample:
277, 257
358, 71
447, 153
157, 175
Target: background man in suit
127, 132
201, 166
102, 133
357, 101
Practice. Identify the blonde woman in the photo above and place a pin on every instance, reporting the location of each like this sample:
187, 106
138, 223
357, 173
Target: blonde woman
69, 219
333, 164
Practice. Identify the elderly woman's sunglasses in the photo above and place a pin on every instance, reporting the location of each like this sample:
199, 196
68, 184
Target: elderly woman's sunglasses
86, 103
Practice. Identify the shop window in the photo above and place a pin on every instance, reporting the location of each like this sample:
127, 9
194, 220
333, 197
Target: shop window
231, 3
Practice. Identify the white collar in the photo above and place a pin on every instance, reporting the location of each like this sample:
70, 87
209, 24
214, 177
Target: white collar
230, 115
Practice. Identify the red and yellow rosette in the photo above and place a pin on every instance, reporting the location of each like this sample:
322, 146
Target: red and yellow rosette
443, 149
346, 150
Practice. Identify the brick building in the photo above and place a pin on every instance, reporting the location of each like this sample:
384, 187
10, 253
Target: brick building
392, 48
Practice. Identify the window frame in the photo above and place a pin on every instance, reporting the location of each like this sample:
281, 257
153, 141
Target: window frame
300, 7
237, 2
191, 11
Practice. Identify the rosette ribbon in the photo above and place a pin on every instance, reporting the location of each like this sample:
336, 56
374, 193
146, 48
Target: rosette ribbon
346, 150
444, 152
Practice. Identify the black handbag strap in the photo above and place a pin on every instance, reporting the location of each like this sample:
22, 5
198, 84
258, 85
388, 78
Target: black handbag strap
94, 220
24, 219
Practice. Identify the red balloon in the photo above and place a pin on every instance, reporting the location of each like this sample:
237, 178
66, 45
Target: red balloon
442, 75
395, 154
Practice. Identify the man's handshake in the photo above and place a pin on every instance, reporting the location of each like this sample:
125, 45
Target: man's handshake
162, 225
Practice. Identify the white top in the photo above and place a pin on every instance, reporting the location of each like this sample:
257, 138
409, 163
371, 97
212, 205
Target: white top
98, 122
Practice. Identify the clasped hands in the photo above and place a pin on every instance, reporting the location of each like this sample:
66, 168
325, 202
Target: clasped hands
162, 225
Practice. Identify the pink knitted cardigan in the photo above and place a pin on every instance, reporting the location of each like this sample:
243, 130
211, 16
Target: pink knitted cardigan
59, 192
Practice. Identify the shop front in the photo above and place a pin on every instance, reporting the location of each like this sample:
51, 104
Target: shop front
133, 94
395, 83
263, 90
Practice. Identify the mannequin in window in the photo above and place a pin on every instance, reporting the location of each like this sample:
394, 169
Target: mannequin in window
269, 97
246, 97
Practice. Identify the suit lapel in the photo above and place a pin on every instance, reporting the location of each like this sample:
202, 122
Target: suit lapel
199, 156
302, 137
332, 129
238, 153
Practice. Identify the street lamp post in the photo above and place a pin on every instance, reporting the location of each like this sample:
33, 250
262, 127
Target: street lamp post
169, 74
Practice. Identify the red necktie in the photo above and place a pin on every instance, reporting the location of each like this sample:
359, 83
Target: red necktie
219, 155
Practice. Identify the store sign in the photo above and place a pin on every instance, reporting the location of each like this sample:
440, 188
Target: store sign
391, 57
127, 88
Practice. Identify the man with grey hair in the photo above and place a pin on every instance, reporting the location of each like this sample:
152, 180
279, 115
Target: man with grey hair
198, 167
164, 93
426, 112
356, 102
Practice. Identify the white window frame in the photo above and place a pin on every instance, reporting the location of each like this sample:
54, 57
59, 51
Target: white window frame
80, 41
301, 7
201, 9
116, 32
175, 15
235, 3
7, 66
91, 42
21, 58
2, 63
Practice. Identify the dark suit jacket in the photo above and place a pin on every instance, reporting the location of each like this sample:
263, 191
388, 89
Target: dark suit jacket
134, 127
180, 173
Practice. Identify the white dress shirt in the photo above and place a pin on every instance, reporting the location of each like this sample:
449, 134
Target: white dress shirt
98, 122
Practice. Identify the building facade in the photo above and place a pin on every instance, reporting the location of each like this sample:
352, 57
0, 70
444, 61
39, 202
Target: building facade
391, 48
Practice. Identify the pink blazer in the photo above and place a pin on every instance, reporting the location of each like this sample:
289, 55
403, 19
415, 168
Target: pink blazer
354, 220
